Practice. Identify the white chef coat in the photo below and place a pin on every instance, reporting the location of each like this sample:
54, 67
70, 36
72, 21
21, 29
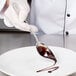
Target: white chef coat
49, 15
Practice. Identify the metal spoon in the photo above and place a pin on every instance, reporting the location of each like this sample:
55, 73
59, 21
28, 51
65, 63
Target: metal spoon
44, 51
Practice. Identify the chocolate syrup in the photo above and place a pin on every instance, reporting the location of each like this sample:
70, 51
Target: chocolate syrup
47, 53
51, 69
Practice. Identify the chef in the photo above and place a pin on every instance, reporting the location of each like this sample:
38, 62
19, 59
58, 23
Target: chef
50, 16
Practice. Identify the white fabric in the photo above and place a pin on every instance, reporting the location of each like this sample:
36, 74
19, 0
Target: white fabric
16, 14
49, 15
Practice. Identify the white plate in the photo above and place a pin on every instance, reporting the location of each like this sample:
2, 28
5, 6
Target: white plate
26, 61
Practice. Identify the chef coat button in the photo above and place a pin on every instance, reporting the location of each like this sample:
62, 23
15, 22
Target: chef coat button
67, 33
68, 15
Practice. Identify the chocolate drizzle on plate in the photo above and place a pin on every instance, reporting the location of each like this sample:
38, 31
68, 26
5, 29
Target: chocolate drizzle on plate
47, 53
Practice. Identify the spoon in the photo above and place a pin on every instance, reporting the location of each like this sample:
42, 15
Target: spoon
44, 51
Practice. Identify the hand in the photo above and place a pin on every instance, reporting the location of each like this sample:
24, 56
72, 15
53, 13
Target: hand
15, 15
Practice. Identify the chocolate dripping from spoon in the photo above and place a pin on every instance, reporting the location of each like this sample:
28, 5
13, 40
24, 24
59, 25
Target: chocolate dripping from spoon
47, 53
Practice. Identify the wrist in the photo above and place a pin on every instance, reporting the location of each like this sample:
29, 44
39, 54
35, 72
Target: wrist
5, 7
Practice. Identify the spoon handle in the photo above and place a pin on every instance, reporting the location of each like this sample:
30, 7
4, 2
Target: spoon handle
36, 38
